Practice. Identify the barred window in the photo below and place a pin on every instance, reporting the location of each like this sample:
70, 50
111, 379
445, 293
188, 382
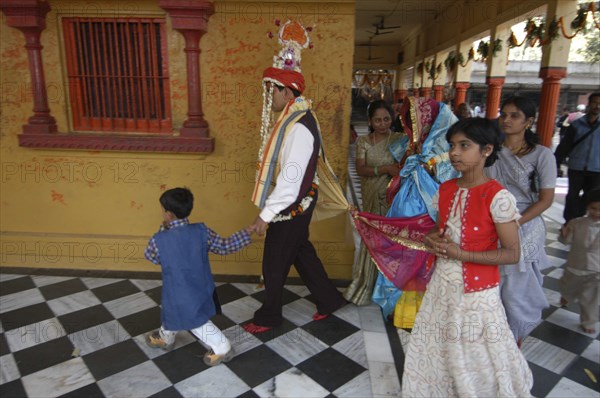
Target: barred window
118, 74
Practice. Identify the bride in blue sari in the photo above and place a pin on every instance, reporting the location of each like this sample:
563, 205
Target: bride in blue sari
423, 156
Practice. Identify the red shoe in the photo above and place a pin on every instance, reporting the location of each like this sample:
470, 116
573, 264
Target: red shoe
255, 329
319, 317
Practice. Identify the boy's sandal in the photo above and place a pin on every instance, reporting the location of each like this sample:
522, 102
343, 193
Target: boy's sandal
212, 359
255, 329
154, 340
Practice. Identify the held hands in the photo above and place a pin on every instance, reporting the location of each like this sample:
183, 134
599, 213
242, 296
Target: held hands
258, 226
443, 246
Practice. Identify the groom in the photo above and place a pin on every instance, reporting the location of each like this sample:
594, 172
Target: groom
288, 160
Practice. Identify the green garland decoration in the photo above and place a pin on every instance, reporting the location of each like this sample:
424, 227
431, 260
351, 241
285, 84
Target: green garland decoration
457, 58
538, 32
434, 71
420, 68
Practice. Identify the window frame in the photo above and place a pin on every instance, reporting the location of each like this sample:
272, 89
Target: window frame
80, 83
44, 134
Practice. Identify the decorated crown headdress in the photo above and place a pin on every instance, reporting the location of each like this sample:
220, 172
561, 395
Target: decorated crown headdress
293, 38
286, 70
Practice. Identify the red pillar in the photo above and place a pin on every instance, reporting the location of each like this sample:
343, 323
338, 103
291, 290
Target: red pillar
190, 18
438, 93
494, 93
460, 95
425, 91
415, 92
29, 16
549, 102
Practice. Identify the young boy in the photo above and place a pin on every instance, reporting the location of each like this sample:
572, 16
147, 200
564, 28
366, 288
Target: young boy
581, 280
181, 249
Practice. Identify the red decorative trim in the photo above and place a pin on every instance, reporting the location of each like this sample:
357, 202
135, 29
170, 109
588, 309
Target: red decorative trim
553, 73
462, 85
129, 143
188, 14
190, 18
122, 60
25, 13
29, 16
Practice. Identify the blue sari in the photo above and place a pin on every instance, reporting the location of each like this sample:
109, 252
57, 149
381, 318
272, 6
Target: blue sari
417, 186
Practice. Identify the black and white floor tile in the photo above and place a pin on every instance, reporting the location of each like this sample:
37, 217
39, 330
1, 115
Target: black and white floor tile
84, 337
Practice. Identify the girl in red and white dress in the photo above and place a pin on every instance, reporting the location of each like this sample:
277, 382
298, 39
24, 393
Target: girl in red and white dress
461, 343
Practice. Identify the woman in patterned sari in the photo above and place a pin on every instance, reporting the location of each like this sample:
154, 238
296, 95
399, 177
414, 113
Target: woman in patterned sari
376, 166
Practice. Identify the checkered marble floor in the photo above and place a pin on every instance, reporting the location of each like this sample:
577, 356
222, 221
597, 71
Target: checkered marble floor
558, 351
83, 336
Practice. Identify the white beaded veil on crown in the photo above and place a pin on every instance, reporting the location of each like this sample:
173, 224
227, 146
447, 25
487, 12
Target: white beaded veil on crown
286, 71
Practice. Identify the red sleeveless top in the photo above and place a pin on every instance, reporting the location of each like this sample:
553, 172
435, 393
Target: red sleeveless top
478, 232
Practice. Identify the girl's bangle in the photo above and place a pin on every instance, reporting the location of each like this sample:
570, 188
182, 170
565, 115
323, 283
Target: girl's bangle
376, 171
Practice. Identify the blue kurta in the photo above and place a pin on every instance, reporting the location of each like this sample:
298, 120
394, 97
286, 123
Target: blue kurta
188, 285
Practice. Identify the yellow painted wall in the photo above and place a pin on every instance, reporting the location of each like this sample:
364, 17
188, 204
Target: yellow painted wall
96, 210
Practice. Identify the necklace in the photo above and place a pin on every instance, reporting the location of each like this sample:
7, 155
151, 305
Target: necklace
518, 150
387, 139
379, 151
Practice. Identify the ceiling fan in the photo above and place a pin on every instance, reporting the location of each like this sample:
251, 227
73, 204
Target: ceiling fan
378, 32
380, 28
369, 58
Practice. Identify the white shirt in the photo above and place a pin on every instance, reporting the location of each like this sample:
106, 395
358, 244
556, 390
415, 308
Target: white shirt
293, 161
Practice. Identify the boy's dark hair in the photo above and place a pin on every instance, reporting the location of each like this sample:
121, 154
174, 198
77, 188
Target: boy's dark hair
178, 201
592, 95
481, 131
592, 196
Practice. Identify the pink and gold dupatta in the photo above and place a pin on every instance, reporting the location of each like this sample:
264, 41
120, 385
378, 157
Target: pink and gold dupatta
396, 243
397, 248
